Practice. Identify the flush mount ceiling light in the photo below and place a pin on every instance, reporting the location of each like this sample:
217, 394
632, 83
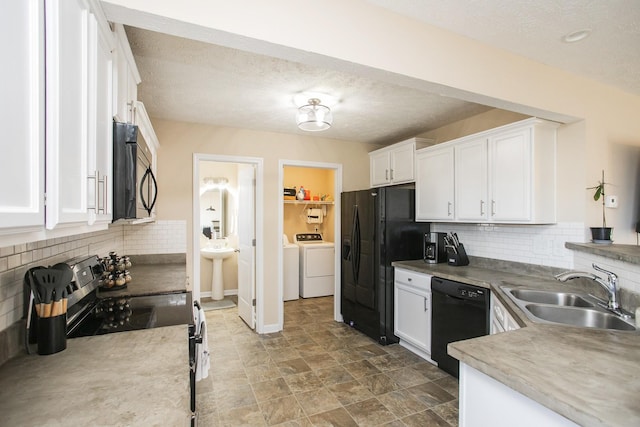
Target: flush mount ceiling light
314, 116
576, 36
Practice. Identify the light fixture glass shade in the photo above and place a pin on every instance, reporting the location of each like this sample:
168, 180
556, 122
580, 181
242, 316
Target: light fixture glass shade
314, 116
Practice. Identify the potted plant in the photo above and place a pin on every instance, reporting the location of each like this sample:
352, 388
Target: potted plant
600, 234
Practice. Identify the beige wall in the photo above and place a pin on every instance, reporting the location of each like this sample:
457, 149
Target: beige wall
478, 123
179, 141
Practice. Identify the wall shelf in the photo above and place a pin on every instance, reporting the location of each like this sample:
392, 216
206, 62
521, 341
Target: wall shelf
307, 202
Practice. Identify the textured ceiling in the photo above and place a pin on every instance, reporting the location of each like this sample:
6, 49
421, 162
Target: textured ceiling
199, 82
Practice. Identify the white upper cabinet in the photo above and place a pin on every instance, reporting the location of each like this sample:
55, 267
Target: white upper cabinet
126, 77
100, 142
22, 110
394, 164
511, 175
504, 175
79, 114
435, 184
67, 75
471, 179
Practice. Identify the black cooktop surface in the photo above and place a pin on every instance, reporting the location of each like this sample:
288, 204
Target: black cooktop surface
120, 314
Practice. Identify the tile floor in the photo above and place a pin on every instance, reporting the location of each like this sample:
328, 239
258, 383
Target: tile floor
317, 372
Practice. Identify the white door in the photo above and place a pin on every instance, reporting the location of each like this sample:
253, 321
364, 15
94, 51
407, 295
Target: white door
246, 244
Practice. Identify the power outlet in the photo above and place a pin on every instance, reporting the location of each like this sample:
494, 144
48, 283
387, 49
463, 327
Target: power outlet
611, 201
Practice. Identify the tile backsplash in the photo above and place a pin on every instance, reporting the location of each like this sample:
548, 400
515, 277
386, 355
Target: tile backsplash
530, 244
160, 237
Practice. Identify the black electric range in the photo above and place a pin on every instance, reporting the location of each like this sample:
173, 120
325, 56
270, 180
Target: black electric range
89, 314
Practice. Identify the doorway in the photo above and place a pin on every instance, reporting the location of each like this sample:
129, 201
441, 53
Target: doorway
298, 212
227, 233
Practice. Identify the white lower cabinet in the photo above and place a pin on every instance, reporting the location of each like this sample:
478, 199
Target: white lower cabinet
412, 311
501, 320
487, 402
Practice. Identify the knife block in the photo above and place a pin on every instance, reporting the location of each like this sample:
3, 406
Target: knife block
457, 259
52, 334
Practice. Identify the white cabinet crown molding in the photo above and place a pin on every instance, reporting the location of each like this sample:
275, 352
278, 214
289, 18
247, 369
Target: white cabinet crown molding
123, 46
144, 123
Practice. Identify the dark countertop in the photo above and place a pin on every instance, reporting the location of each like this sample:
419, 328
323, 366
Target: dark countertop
136, 378
151, 279
589, 376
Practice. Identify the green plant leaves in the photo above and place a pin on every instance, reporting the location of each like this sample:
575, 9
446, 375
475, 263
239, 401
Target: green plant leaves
598, 192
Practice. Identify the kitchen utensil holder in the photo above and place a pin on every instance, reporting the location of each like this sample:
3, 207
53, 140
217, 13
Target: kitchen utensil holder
52, 334
458, 258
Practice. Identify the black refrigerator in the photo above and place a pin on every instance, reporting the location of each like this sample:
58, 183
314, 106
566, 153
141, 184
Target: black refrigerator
378, 227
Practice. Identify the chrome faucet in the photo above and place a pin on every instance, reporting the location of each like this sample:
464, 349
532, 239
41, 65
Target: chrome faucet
610, 285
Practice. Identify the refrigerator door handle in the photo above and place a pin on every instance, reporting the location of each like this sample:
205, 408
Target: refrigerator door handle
346, 249
356, 244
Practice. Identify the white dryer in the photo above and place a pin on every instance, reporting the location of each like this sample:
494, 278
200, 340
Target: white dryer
317, 265
291, 268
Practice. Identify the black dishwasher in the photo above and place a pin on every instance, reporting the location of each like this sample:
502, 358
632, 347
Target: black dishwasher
459, 311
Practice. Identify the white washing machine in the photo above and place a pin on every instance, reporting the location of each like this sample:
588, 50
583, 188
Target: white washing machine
291, 268
317, 265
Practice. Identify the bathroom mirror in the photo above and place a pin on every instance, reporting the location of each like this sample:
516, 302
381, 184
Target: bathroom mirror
213, 209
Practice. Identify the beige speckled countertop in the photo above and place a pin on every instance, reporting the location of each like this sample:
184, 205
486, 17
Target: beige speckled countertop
138, 378
150, 279
589, 376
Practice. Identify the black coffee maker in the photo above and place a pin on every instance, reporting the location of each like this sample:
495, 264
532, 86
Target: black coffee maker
433, 249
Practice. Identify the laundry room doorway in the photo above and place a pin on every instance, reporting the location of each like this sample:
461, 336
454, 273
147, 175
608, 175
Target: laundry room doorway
309, 223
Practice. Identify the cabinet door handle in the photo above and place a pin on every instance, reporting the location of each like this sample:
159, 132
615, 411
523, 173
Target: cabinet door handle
105, 188
493, 207
96, 188
386, 174
425, 304
392, 174
481, 207
408, 279
449, 208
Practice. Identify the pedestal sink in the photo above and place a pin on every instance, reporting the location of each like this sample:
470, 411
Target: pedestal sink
216, 255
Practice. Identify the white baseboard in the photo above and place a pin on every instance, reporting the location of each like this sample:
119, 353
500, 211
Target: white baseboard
204, 294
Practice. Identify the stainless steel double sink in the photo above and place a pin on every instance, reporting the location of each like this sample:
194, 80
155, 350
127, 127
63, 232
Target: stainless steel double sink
566, 308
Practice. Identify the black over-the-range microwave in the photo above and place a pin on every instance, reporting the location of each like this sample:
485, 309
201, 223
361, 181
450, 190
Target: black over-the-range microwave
135, 189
